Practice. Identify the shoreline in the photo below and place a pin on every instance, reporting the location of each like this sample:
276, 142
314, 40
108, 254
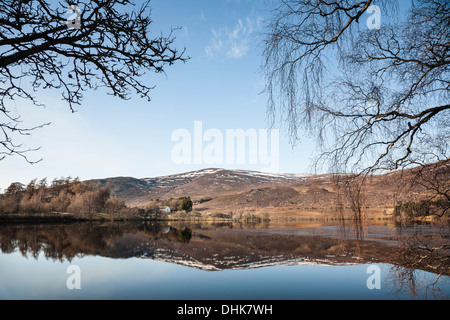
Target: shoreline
67, 217
47, 217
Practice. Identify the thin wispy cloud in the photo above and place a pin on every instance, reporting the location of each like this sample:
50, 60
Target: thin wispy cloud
202, 17
233, 42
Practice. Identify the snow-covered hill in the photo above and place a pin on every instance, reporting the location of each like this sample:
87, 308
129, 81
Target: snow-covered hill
199, 184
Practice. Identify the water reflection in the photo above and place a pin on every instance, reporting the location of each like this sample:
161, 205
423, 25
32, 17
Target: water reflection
220, 247
66, 241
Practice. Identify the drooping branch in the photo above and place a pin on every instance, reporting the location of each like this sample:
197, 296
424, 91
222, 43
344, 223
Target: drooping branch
392, 84
376, 100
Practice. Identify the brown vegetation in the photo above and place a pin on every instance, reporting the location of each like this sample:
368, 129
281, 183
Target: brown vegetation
329, 196
86, 200
65, 195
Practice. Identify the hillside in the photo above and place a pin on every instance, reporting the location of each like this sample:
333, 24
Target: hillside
217, 190
200, 185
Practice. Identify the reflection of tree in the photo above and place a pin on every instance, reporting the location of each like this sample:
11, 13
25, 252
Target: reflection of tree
428, 253
57, 242
62, 242
404, 280
422, 252
419, 251
184, 235
66, 241
160, 231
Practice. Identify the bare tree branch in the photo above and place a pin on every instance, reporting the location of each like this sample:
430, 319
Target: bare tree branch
112, 48
375, 100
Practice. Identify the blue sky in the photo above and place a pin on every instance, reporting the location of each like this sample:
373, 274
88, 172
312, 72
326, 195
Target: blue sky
220, 86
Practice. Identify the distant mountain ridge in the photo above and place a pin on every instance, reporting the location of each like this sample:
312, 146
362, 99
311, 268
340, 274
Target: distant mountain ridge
198, 184
216, 190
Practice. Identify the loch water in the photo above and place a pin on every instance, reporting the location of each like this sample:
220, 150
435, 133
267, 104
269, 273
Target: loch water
185, 261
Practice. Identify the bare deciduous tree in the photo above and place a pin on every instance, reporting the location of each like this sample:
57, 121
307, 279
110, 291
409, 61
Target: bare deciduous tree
93, 44
376, 99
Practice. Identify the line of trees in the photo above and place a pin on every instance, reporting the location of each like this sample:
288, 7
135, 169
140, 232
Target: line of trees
65, 195
155, 206
421, 209
82, 199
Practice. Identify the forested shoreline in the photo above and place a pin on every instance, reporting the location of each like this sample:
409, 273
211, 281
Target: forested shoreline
65, 195
72, 198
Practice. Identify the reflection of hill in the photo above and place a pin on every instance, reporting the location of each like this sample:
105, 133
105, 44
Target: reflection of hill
205, 249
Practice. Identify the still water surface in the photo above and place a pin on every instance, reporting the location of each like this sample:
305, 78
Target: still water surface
190, 262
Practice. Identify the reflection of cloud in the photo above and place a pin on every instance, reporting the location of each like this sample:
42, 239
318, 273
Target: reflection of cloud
232, 43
